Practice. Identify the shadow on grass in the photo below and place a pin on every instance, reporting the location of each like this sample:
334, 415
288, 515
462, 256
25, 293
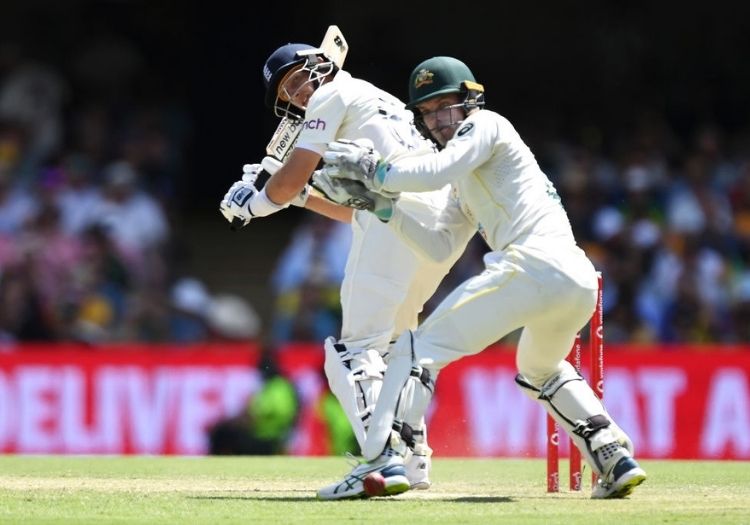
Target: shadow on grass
481, 499
263, 497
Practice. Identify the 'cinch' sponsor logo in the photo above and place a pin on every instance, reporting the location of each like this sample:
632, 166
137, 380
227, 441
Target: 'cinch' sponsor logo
315, 124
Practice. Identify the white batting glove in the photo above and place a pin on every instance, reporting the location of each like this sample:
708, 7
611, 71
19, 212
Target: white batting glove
356, 160
234, 205
250, 173
271, 165
243, 201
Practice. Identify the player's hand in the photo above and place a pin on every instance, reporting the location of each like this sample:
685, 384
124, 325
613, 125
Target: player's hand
244, 201
250, 173
356, 160
235, 204
271, 165
353, 193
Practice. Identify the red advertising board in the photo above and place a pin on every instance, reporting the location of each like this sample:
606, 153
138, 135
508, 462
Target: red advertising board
688, 403
119, 400
674, 402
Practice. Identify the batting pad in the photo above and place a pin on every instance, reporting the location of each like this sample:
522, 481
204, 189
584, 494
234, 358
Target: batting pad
398, 371
355, 377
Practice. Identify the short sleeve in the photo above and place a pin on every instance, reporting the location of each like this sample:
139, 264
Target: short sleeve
324, 116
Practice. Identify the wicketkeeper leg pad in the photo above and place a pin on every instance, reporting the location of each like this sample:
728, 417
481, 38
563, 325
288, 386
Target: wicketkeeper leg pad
571, 402
355, 376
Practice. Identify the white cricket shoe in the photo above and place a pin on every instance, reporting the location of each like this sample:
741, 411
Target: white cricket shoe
418, 471
391, 467
623, 473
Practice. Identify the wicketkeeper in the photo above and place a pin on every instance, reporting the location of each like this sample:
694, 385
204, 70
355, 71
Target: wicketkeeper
535, 277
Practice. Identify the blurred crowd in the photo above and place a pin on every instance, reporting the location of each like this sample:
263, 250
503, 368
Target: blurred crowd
88, 172
665, 219
87, 203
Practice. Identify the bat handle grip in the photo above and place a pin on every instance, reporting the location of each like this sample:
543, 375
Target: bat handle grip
236, 224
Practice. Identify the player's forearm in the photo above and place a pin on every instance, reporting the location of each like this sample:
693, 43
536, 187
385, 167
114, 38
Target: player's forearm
285, 185
329, 209
291, 178
420, 173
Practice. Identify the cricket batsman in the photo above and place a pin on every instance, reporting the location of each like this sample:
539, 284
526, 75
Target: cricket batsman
386, 280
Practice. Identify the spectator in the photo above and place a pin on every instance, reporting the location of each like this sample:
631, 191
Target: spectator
307, 281
265, 425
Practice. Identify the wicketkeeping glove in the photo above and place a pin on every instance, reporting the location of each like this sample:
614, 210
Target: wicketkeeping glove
356, 160
353, 193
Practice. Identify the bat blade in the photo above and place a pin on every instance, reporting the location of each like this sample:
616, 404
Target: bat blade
284, 138
334, 45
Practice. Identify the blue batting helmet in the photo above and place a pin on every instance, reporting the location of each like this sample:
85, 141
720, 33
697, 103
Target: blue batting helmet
278, 64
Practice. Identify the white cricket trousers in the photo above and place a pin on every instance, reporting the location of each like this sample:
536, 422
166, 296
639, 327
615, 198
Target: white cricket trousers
551, 293
386, 283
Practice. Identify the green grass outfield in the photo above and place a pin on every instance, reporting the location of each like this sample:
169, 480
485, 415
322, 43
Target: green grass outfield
250, 490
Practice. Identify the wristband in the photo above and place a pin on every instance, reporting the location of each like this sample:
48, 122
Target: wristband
261, 205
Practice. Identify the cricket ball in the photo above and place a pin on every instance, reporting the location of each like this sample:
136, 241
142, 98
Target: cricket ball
374, 484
